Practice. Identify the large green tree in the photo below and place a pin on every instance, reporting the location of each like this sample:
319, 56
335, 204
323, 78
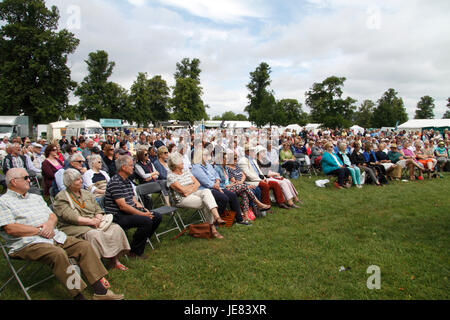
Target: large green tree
262, 104
363, 117
95, 92
289, 111
34, 77
390, 110
150, 98
186, 102
425, 108
327, 105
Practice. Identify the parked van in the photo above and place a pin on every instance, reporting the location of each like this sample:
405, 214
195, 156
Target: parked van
14, 126
86, 128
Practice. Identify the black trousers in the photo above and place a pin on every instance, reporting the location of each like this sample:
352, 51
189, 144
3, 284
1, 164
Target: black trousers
342, 174
290, 165
225, 198
145, 228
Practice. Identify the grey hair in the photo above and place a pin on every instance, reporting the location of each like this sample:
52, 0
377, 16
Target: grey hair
122, 161
13, 173
93, 158
75, 157
69, 176
174, 160
341, 143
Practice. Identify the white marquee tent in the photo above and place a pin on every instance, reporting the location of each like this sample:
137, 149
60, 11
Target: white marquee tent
419, 124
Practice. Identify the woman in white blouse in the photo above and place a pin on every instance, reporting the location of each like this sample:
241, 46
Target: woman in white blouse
95, 179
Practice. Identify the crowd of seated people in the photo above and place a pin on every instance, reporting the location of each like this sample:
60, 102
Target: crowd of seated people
94, 183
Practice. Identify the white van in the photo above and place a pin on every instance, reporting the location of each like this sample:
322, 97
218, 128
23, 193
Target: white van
86, 128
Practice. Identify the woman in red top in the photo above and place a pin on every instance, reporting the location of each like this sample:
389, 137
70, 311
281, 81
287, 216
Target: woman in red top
50, 165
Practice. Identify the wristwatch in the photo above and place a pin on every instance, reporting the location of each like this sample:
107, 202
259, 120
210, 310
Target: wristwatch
40, 230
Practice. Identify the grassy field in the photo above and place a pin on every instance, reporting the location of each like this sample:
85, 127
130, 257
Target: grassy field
403, 228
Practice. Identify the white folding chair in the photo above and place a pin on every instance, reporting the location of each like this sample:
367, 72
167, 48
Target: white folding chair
17, 271
144, 193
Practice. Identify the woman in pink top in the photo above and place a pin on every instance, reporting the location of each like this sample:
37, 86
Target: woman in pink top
50, 165
411, 161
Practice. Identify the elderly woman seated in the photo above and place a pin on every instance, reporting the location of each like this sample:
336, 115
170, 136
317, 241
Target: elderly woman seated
81, 216
332, 165
410, 160
426, 157
287, 159
441, 155
243, 191
188, 195
355, 172
288, 189
95, 179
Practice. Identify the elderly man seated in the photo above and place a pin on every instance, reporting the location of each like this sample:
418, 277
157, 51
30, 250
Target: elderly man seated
121, 202
28, 226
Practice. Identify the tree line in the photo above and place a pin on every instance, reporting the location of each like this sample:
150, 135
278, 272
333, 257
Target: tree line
35, 80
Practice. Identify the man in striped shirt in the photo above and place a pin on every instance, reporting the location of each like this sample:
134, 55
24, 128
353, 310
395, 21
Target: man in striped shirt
121, 202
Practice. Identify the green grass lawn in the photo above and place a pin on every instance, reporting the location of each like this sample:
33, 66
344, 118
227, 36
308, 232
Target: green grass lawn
403, 228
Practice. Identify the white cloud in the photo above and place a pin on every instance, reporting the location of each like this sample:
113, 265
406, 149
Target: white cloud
229, 11
407, 51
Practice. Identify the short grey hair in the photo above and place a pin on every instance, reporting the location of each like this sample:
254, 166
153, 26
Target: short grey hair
341, 143
13, 173
122, 161
174, 160
75, 157
93, 158
69, 176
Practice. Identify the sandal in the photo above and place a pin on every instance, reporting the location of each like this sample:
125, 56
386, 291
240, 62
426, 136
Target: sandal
120, 267
105, 283
219, 221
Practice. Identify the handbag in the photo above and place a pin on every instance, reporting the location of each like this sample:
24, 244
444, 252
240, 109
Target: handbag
106, 222
228, 216
200, 230
251, 215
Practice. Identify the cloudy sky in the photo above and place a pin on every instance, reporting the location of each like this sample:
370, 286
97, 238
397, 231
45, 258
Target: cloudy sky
376, 45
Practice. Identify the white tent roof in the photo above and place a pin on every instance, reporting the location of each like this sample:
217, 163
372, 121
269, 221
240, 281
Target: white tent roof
59, 124
312, 125
86, 124
357, 128
295, 127
423, 123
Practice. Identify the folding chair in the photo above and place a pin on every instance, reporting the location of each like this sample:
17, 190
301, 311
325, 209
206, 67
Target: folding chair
52, 195
184, 223
16, 271
144, 193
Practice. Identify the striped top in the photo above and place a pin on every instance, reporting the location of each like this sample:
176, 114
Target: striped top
235, 173
118, 188
29, 210
183, 179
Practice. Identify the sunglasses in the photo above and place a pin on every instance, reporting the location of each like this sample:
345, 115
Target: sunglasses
79, 161
24, 178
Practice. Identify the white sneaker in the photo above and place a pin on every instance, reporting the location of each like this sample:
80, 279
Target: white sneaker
359, 186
